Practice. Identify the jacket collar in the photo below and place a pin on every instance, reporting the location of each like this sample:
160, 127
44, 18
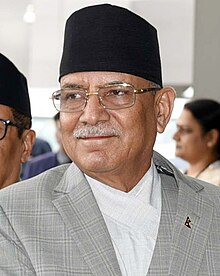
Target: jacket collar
80, 213
76, 204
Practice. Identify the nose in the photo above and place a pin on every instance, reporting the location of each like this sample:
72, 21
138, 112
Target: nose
176, 136
93, 112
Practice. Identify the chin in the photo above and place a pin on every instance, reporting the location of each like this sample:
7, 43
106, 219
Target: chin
94, 169
91, 164
178, 154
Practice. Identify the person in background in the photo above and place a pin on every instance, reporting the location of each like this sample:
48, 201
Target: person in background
119, 209
16, 136
197, 139
47, 160
40, 146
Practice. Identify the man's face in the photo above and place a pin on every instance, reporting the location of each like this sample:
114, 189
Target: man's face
126, 147
11, 151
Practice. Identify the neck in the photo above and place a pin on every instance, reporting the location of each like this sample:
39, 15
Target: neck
195, 169
121, 180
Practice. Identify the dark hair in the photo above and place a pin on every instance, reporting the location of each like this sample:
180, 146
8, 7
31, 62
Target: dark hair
56, 117
207, 113
24, 122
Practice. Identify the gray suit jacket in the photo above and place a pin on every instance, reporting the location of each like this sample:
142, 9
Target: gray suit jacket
51, 225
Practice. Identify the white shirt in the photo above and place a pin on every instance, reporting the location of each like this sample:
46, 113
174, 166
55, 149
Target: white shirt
132, 220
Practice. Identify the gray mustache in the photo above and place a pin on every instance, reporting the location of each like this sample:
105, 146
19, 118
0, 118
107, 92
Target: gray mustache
96, 130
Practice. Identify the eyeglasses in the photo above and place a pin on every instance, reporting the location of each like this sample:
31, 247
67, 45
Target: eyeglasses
111, 96
4, 126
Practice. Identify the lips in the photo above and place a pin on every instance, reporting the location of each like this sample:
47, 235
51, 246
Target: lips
96, 137
178, 147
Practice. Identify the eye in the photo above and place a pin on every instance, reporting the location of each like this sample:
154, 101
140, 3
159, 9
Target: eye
118, 91
56, 96
183, 130
72, 96
2, 126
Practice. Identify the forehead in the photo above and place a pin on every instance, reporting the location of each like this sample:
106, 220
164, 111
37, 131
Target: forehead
187, 118
100, 78
5, 112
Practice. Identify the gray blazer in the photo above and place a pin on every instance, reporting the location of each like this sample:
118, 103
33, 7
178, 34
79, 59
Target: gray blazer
51, 225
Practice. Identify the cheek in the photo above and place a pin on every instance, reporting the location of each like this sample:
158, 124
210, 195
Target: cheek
67, 138
192, 140
142, 129
67, 125
192, 145
11, 152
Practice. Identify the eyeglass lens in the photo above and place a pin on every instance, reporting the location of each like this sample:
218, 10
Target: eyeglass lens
113, 97
3, 127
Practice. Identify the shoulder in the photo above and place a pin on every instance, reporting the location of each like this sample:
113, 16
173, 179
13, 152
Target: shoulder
39, 164
189, 184
33, 189
42, 157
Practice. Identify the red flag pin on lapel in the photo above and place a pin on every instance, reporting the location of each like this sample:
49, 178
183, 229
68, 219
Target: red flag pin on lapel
188, 222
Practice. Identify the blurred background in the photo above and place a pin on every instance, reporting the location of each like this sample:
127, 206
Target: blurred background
31, 35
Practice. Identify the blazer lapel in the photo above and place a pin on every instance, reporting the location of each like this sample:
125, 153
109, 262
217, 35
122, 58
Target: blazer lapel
162, 252
186, 219
77, 206
191, 230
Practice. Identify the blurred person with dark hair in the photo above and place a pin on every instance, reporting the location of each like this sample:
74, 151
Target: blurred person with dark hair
40, 146
47, 160
197, 139
16, 136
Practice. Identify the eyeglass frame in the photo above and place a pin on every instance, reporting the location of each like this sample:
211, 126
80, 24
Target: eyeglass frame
87, 94
7, 123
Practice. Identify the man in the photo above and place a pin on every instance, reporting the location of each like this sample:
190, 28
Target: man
39, 147
119, 208
47, 160
16, 137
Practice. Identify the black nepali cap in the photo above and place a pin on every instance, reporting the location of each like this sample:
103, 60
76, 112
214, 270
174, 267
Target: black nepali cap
110, 38
13, 87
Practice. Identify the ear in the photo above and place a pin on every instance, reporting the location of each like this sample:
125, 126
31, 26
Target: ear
28, 139
213, 138
164, 101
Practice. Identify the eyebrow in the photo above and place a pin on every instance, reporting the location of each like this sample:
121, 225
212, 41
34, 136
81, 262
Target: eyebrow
115, 82
183, 126
71, 86
78, 86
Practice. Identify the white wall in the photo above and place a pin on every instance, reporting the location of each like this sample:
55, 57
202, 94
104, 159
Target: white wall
36, 48
207, 44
